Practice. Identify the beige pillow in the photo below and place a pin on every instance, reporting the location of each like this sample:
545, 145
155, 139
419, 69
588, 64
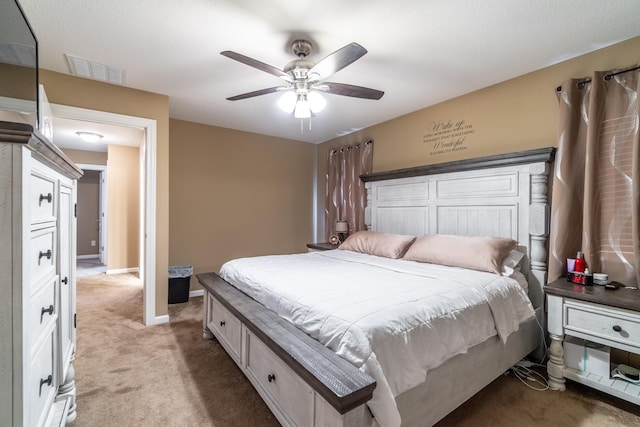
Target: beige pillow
476, 253
380, 244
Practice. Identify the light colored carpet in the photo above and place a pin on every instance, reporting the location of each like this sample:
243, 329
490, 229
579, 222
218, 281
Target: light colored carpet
89, 267
167, 375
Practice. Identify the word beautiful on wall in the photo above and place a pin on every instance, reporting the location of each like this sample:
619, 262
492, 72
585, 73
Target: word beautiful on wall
448, 136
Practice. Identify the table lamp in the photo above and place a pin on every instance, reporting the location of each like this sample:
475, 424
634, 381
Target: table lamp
342, 228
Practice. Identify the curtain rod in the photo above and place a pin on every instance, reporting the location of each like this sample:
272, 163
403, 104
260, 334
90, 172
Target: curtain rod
349, 147
610, 75
607, 77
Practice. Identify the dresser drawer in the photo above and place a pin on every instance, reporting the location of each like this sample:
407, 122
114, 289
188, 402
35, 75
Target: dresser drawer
42, 197
40, 392
287, 392
226, 326
41, 256
41, 312
613, 324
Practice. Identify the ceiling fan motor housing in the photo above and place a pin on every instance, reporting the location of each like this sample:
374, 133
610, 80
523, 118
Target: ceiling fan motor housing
301, 48
299, 68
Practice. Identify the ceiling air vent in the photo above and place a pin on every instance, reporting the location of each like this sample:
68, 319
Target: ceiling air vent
94, 70
12, 53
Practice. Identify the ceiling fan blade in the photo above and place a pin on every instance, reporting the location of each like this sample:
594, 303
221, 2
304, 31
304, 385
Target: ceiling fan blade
257, 64
257, 93
349, 90
338, 60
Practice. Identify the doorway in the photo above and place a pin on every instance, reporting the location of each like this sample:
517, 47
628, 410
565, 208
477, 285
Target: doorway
95, 220
92, 220
148, 192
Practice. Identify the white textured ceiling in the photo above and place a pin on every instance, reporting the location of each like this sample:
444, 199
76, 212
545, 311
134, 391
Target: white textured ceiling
421, 52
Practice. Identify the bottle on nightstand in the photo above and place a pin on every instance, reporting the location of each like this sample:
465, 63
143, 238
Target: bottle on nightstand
580, 264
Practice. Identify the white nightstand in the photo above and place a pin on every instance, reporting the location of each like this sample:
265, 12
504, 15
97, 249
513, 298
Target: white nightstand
609, 317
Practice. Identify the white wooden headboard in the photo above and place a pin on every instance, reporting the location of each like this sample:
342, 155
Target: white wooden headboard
503, 196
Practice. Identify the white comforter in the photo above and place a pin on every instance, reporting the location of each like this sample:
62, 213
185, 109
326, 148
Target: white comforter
393, 319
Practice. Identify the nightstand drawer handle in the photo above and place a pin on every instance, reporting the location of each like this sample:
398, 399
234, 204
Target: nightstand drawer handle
65, 280
222, 323
617, 328
271, 377
44, 254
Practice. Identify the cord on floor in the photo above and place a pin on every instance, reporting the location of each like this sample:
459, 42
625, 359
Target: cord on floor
529, 377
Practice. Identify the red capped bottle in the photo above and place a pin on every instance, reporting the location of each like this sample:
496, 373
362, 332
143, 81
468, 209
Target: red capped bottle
580, 264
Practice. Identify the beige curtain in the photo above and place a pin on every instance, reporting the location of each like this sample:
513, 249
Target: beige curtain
346, 195
596, 185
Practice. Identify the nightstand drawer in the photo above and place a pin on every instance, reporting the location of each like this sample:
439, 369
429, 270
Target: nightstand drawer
617, 325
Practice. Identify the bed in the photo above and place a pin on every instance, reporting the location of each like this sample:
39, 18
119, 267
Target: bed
300, 366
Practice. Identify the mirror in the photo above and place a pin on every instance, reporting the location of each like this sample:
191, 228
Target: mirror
18, 66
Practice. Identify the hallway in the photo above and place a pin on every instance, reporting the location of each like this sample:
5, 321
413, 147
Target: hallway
89, 267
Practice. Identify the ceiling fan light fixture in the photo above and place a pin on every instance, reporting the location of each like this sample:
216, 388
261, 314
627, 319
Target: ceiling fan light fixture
303, 110
305, 79
316, 102
89, 136
287, 101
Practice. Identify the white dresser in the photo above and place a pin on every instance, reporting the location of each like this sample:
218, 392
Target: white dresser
37, 279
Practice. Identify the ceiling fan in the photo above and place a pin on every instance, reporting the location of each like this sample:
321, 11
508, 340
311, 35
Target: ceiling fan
305, 78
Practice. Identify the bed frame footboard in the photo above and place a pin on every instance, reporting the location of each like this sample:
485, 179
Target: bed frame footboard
303, 382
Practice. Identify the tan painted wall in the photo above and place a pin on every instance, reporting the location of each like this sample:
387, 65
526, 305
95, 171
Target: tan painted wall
123, 207
236, 194
85, 93
18, 82
515, 115
86, 157
88, 213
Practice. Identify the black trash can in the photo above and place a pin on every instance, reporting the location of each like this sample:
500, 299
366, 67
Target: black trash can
179, 278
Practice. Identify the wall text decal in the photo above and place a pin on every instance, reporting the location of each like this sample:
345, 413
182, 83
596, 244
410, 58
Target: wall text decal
447, 136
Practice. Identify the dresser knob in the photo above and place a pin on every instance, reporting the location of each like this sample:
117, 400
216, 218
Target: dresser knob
222, 323
271, 377
617, 328
44, 254
48, 198
46, 381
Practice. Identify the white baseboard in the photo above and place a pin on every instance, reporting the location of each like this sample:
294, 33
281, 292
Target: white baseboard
198, 293
87, 256
124, 270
